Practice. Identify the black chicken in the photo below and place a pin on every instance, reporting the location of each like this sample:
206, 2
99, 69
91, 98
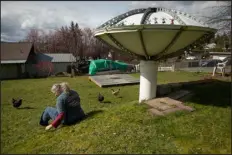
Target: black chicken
16, 103
100, 97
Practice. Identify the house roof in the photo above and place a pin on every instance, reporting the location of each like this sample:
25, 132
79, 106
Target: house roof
15, 52
57, 57
13, 61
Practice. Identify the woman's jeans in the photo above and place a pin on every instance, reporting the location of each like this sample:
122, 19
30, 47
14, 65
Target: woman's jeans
49, 113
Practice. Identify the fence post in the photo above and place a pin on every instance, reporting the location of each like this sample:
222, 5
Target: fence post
173, 67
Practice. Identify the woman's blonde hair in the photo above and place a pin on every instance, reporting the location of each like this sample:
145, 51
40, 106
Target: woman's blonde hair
55, 88
64, 86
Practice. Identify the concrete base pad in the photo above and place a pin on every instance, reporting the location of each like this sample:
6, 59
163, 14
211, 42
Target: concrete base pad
169, 104
114, 80
172, 110
156, 112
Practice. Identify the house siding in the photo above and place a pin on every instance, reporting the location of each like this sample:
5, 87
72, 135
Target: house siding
18, 61
57, 62
219, 57
31, 70
35, 71
60, 66
10, 71
36, 65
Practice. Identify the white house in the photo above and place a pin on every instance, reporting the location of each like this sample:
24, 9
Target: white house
210, 46
219, 55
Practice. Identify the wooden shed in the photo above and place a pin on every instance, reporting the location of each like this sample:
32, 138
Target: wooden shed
55, 62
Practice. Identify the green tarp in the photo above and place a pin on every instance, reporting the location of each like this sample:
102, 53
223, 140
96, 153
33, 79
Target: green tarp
103, 64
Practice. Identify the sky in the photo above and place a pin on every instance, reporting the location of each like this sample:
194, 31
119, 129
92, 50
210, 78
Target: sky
18, 17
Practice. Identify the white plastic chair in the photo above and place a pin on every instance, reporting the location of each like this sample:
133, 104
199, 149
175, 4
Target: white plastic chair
137, 68
221, 66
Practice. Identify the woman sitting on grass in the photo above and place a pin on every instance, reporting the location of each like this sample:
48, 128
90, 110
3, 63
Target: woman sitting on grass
68, 109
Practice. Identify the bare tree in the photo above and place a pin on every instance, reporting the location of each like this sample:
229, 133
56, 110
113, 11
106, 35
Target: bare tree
65, 38
76, 40
33, 37
43, 44
92, 46
73, 40
220, 16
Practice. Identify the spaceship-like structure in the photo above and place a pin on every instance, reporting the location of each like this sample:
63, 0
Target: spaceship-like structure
153, 34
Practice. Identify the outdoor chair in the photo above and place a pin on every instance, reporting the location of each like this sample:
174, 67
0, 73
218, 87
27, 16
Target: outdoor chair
222, 66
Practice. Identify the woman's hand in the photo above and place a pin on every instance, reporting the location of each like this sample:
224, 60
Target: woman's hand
48, 127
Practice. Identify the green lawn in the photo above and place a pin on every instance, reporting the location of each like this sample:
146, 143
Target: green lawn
121, 126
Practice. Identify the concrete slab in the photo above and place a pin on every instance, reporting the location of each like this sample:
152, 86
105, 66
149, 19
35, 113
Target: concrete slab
170, 104
155, 112
114, 80
158, 105
176, 103
172, 110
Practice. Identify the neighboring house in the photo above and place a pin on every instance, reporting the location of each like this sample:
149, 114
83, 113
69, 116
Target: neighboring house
17, 59
194, 54
220, 55
191, 57
226, 49
210, 46
56, 62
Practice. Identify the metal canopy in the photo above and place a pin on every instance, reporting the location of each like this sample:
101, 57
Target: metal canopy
158, 40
